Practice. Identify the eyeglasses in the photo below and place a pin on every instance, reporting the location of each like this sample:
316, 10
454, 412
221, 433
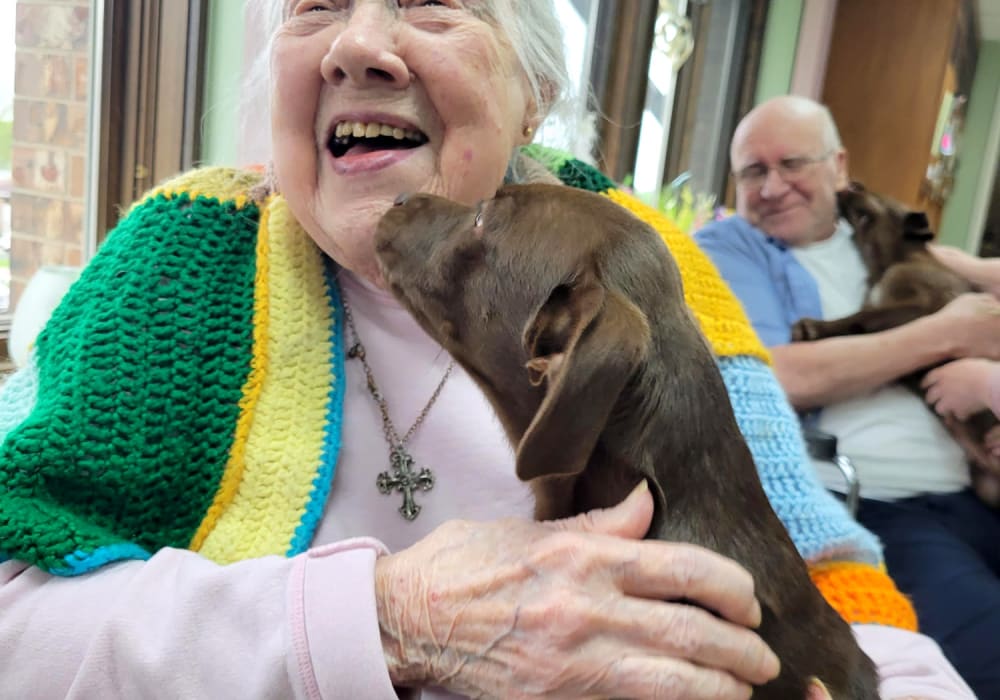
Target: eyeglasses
789, 170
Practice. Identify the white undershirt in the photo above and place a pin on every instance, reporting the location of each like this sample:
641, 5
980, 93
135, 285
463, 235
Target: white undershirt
460, 440
897, 444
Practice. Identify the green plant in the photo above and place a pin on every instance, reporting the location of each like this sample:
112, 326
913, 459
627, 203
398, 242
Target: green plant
688, 209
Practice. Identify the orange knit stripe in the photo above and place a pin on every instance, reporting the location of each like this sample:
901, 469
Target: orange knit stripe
864, 594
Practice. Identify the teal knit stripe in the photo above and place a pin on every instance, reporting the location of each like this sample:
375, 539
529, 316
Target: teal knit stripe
334, 421
95, 463
82, 562
815, 519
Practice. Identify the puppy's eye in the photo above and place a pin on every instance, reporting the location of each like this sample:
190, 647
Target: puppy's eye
479, 215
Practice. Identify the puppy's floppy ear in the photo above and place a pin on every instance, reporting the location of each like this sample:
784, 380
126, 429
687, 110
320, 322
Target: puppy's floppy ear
584, 343
916, 227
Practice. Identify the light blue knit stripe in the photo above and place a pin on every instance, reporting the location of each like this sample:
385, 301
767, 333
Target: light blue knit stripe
820, 526
80, 562
334, 419
17, 397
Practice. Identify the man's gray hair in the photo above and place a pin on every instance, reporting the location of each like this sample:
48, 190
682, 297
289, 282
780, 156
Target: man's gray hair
531, 26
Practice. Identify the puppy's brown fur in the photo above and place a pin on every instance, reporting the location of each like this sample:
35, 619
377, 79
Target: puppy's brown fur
905, 282
569, 313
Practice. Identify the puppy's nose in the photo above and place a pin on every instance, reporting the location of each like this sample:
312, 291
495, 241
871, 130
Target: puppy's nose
401, 199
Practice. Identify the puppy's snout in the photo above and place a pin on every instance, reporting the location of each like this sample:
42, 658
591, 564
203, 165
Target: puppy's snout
401, 199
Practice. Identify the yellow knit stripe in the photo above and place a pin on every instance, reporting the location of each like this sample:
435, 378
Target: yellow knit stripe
236, 465
224, 184
717, 309
864, 594
285, 440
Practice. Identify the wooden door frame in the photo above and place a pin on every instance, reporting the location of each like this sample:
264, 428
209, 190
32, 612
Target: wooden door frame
150, 85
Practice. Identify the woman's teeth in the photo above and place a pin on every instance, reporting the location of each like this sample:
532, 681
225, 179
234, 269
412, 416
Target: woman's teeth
373, 129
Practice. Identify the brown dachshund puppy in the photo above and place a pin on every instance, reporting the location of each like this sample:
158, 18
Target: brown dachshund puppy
569, 313
905, 281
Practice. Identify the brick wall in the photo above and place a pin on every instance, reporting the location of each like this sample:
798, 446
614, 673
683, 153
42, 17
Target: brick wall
49, 158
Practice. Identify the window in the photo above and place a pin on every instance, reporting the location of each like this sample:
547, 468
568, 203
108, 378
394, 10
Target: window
670, 79
6, 133
99, 100
45, 98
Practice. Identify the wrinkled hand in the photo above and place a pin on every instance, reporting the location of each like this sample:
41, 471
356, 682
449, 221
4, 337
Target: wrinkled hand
960, 388
972, 323
570, 609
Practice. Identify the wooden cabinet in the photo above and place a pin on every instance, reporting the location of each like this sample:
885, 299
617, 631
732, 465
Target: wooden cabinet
890, 65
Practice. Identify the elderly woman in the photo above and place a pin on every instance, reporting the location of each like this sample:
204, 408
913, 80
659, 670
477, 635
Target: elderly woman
235, 467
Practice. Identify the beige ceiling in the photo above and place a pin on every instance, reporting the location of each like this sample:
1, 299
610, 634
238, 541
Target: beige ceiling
989, 19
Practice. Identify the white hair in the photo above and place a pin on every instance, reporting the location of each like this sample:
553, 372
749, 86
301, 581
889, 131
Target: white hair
531, 27
831, 136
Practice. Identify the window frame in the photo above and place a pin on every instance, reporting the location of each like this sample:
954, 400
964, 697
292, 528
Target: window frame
147, 57
139, 135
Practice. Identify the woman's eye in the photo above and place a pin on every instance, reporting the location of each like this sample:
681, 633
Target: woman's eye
308, 7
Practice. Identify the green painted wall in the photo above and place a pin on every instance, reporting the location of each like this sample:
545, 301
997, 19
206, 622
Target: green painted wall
224, 56
781, 38
980, 121
6, 131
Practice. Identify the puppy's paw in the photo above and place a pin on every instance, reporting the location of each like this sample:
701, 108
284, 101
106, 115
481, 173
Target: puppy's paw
807, 329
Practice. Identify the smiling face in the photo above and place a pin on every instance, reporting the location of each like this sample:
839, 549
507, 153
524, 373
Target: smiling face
374, 98
801, 207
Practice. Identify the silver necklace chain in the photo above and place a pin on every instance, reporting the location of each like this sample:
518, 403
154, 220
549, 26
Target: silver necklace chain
402, 478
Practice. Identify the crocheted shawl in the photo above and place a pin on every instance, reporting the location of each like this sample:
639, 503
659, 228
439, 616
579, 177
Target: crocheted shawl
186, 393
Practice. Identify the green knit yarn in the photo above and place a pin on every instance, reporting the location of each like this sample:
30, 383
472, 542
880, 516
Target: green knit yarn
571, 171
140, 369
551, 158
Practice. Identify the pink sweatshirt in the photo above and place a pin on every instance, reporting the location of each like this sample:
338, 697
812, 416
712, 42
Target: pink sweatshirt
180, 626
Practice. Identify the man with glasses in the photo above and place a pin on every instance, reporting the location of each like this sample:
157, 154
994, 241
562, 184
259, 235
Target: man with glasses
788, 255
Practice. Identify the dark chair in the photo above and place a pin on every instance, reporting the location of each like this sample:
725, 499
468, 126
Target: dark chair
823, 446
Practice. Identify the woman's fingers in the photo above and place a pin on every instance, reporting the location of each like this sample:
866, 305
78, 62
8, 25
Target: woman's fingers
667, 679
668, 571
678, 646
664, 571
630, 518
685, 632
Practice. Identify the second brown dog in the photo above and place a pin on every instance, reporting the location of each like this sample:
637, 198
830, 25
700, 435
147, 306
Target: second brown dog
905, 282
569, 313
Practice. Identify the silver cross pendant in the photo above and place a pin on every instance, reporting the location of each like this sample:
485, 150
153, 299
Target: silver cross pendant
404, 480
